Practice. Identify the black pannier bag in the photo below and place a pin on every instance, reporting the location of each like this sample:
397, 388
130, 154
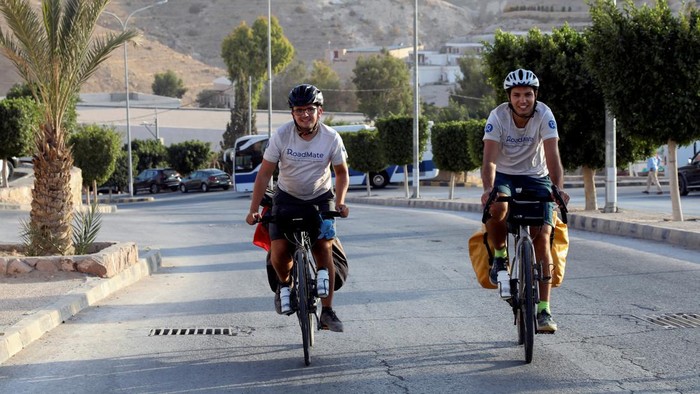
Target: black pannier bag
340, 261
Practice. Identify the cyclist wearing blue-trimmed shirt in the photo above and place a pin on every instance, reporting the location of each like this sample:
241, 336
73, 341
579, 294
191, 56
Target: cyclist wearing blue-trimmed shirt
521, 151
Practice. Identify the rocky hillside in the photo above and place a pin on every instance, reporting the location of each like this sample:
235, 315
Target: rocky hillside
185, 35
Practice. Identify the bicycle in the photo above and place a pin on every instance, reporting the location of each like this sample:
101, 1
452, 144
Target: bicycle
304, 297
525, 210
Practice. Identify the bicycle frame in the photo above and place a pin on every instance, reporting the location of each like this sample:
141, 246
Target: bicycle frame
304, 296
524, 288
525, 274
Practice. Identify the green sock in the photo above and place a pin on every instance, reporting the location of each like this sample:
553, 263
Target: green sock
543, 306
500, 252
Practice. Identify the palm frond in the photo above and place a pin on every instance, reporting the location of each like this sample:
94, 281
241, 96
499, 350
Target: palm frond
26, 47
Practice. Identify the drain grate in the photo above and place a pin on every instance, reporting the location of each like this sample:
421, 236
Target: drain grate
229, 331
673, 320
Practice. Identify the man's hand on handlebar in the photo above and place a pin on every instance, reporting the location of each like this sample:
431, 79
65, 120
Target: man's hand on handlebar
485, 196
343, 210
253, 217
564, 196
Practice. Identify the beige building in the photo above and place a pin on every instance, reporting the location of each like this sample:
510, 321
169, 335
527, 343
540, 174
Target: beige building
343, 60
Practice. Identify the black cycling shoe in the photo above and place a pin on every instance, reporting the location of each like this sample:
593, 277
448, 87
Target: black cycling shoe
498, 264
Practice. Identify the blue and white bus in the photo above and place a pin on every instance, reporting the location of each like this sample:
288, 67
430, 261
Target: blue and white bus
247, 154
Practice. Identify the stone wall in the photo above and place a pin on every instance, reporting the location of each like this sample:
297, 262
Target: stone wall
105, 260
19, 192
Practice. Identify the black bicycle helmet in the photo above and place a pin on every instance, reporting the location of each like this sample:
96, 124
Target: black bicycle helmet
305, 94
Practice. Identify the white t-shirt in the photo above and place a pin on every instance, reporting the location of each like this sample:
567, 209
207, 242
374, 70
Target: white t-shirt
304, 166
521, 149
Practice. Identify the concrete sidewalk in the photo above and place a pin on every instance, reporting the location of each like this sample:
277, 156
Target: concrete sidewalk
32, 317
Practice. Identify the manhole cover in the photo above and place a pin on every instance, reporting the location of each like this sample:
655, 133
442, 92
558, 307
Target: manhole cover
673, 320
229, 331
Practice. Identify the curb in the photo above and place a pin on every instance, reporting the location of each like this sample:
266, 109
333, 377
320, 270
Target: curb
28, 330
567, 183
687, 239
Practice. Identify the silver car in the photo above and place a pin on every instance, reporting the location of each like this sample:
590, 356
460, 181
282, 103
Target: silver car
205, 180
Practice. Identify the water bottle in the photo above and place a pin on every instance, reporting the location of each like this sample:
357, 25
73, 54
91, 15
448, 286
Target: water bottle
322, 283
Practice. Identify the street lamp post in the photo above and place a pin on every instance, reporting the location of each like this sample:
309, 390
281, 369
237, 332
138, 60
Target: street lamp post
126, 88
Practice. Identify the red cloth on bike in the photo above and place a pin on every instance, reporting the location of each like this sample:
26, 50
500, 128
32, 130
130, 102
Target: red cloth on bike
261, 238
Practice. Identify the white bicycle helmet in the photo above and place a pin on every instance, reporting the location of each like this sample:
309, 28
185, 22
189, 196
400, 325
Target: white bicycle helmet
521, 77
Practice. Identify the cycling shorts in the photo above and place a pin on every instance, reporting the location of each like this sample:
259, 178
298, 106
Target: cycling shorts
506, 184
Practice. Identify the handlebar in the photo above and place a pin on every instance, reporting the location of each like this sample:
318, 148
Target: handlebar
494, 197
265, 219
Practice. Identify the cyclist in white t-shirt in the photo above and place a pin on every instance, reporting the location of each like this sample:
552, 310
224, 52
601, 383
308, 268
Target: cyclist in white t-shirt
305, 149
521, 151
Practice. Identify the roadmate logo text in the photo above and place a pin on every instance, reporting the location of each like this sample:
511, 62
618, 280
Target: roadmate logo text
304, 155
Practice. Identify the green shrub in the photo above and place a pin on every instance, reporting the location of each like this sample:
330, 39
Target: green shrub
188, 156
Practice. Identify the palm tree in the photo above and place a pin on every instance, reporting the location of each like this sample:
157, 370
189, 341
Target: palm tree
55, 53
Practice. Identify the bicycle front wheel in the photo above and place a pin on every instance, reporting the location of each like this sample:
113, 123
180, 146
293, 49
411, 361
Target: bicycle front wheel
526, 298
303, 293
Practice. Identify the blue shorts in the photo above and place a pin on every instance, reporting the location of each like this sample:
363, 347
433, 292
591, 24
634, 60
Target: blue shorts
542, 187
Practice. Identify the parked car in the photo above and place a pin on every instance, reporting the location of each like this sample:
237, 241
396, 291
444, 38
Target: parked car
689, 176
205, 180
156, 179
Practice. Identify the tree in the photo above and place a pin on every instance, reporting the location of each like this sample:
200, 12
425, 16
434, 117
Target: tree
19, 120
473, 91
327, 80
55, 53
151, 154
95, 151
294, 74
365, 152
209, 98
396, 135
245, 54
188, 156
476, 141
120, 176
168, 84
453, 112
665, 52
70, 118
450, 141
383, 88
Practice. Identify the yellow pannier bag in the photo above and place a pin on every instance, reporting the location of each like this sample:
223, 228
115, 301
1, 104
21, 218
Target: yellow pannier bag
480, 254
560, 248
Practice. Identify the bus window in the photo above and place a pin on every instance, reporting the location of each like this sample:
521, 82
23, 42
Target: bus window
250, 156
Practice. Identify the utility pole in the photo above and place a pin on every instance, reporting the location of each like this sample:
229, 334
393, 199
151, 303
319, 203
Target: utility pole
610, 161
416, 107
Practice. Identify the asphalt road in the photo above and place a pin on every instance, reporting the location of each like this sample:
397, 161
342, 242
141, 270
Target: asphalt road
416, 320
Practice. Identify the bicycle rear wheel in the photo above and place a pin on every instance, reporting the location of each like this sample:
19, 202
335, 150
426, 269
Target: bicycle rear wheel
526, 298
303, 294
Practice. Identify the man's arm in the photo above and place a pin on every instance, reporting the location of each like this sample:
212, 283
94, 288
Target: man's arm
551, 154
556, 170
488, 167
341, 187
267, 168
